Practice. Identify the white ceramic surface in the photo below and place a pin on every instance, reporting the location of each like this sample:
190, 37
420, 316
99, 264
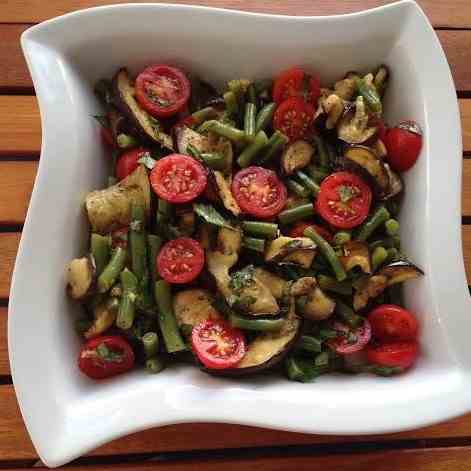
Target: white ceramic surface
68, 415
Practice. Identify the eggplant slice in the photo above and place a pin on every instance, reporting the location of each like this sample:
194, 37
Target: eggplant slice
81, 277
353, 126
291, 251
146, 124
104, 317
356, 254
274, 283
192, 306
296, 156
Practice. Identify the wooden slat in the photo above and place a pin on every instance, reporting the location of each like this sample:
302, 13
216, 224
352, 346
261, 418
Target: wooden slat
4, 363
8, 248
452, 13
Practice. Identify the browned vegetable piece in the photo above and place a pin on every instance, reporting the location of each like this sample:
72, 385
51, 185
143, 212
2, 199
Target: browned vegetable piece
395, 183
370, 288
400, 271
353, 126
291, 250
81, 277
104, 317
223, 185
192, 306
296, 156
184, 136
318, 305
303, 286
274, 283
356, 254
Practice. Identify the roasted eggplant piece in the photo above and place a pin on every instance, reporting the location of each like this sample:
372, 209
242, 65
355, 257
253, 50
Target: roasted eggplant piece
274, 283
192, 306
318, 305
110, 209
303, 286
353, 126
185, 135
81, 277
395, 183
356, 254
400, 271
296, 156
291, 250
104, 315
334, 106
225, 194
147, 125
347, 87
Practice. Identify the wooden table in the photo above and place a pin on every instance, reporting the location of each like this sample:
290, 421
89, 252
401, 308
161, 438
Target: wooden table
207, 446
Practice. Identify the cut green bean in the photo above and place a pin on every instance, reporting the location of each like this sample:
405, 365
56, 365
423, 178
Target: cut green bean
265, 117
203, 114
310, 343
154, 243
250, 152
317, 174
392, 255
252, 94
308, 182
224, 130
370, 95
274, 145
378, 218
268, 230
164, 213
238, 88
167, 322
137, 241
341, 238
322, 359
296, 188
155, 365
328, 252
258, 325
193, 151
347, 314
289, 216
231, 103
249, 120
214, 160
100, 248
322, 152
150, 341
112, 270
378, 257
327, 283
127, 309
125, 141
251, 243
303, 370
392, 227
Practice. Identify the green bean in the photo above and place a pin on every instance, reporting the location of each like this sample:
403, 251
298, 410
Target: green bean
326, 334
294, 370
164, 213
322, 152
392, 255
289, 216
274, 145
154, 242
249, 153
203, 114
369, 93
322, 359
214, 160
302, 370
249, 120
127, 309
378, 257
308, 182
155, 365
264, 117
137, 241
224, 130
317, 174
268, 230
297, 188
385, 370
327, 283
251, 243
392, 227
393, 206
193, 152
150, 341
167, 322
347, 314
310, 344
231, 103
100, 248
341, 238
238, 88
252, 94
125, 141
112, 270
379, 217
259, 325
329, 253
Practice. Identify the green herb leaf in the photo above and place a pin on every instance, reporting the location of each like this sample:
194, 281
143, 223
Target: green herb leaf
210, 215
147, 161
346, 193
108, 355
102, 120
242, 279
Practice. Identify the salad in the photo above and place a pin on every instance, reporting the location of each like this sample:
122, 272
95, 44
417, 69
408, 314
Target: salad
249, 230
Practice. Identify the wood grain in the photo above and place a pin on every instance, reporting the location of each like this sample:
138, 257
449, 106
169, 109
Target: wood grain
4, 363
452, 13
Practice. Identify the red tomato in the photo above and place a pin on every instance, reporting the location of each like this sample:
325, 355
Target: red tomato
294, 82
259, 192
403, 143
402, 354
294, 117
128, 162
107, 136
180, 260
350, 341
299, 228
162, 90
103, 357
344, 200
217, 345
178, 178
390, 322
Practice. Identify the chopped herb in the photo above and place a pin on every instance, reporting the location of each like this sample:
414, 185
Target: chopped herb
346, 193
242, 279
108, 355
210, 215
147, 160
103, 120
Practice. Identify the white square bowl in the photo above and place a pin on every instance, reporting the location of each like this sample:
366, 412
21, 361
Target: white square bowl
68, 415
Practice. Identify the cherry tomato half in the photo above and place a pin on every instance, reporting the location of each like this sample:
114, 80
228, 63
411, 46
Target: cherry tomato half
103, 357
107, 136
128, 162
350, 340
299, 228
294, 118
259, 192
401, 354
295, 82
180, 260
390, 322
344, 200
403, 143
218, 345
178, 178
162, 90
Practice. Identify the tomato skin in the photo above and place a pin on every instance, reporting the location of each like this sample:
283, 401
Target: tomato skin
259, 192
294, 118
178, 178
107, 136
403, 143
390, 322
180, 260
96, 367
205, 338
298, 230
169, 90
341, 344
290, 83
400, 354
343, 214
128, 162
